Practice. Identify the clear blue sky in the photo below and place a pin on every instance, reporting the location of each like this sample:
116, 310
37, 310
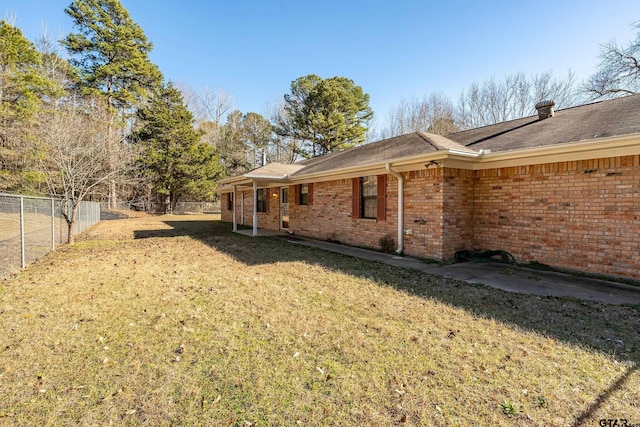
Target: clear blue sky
253, 49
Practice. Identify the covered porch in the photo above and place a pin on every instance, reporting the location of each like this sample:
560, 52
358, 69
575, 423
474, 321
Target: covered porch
271, 181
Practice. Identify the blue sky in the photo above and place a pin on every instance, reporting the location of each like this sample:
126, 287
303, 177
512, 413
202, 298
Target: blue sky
393, 49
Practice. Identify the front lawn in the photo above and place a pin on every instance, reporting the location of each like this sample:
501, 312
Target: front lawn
176, 321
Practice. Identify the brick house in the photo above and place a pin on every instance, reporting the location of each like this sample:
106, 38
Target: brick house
561, 188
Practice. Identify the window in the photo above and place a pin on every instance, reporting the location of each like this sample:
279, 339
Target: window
229, 201
304, 194
369, 196
263, 198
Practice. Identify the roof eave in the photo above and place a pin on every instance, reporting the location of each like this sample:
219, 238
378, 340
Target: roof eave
615, 146
402, 164
624, 145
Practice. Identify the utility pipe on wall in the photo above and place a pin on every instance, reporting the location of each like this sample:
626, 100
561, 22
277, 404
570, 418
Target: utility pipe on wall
235, 221
400, 207
255, 208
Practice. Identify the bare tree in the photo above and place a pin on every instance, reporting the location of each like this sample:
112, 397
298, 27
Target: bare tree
513, 97
207, 105
619, 71
216, 104
283, 149
73, 153
434, 113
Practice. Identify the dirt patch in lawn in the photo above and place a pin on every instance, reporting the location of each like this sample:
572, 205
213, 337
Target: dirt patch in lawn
174, 320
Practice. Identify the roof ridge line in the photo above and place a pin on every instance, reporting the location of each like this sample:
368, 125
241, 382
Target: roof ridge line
424, 137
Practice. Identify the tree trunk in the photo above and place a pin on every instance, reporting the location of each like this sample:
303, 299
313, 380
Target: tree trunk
70, 217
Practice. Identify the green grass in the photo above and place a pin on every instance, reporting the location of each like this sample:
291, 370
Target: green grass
176, 321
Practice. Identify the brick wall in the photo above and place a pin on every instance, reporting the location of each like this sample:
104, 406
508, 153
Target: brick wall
423, 204
268, 220
580, 215
329, 217
458, 211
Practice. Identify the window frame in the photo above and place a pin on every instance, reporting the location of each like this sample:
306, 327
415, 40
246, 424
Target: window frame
230, 201
357, 205
262, 199
303, 196
372, 183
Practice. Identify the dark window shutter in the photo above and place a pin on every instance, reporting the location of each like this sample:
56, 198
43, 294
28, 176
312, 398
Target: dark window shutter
355, 198
310, 194
292, 195
296, 194
382, 198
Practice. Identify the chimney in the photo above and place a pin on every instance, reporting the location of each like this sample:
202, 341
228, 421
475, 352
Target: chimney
545, 109
264, 158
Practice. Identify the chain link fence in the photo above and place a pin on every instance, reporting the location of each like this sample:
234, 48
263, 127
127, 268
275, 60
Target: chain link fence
126, 209
32, 226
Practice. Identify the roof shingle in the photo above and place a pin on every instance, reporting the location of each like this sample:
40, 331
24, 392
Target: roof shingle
616, 117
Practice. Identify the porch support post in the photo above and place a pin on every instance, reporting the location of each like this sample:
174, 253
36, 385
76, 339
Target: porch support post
400, 207
235, 221
255, 208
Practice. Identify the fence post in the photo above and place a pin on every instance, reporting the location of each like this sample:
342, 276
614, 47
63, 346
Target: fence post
22, 242
53, 225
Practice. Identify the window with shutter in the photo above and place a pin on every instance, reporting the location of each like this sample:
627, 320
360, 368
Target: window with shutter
369, 196
262, 200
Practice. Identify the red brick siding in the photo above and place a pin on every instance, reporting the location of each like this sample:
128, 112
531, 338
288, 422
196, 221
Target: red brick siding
458, 205
269, 220
423, 204
580, 215
330, 216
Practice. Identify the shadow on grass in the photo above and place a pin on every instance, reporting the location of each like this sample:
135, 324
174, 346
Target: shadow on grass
602, 398
610, 329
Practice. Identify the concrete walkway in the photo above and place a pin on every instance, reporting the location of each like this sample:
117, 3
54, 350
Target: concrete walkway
502, 276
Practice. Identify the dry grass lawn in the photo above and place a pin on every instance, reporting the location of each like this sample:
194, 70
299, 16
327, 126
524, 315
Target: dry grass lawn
176, 321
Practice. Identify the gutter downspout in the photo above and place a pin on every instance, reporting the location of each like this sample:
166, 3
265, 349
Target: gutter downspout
400, 207
255, 208
235, 221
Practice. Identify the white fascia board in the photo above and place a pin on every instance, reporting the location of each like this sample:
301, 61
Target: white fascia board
594, 149
267, 177
377, 168
597, 148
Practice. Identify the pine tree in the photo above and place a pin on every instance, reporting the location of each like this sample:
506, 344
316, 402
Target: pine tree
329, 114
172, 157
111, 51
22, 91
112, 54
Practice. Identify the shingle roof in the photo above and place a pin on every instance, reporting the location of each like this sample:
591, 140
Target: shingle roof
616, 117
603, 119
408, 145
275, 170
